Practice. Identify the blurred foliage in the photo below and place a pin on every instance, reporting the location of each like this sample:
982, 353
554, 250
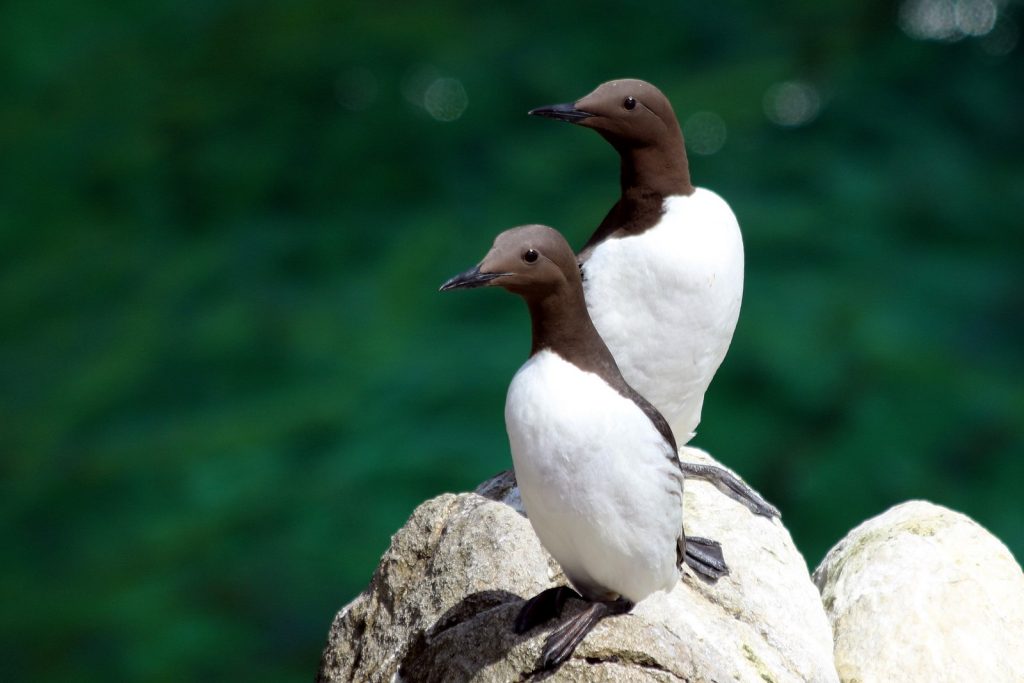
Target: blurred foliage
227, 376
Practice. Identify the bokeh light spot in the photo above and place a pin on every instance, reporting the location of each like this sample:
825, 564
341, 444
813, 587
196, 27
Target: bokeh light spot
791, 103
976, 17
928, 19
704, 132
947, 20
445, 99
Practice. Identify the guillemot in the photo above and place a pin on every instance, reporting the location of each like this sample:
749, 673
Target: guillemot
663, 235
663, 272
597, 465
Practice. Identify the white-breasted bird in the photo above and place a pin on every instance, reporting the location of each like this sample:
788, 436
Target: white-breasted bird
663, 272
596, 464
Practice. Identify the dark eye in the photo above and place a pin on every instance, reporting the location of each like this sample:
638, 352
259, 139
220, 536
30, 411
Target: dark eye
629, 103
530, 256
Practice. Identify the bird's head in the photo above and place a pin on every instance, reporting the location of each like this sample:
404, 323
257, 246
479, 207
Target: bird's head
531, 261
627, 112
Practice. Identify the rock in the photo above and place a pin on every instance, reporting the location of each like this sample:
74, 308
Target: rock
922, 593
441, 603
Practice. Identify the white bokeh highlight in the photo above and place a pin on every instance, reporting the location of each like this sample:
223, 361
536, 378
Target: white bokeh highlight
704, 132
445, 99
947, 20
791, 104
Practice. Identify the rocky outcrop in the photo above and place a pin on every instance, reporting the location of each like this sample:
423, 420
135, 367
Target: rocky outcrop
922, 593
442, 601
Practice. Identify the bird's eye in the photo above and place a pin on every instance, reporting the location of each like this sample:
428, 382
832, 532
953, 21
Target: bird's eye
629, 103
530, 256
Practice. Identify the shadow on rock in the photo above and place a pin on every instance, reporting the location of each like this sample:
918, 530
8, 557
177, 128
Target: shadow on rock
468, 638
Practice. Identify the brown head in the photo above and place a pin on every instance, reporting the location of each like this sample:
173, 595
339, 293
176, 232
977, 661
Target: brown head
532, 261
637, 119
535, 262
628, 112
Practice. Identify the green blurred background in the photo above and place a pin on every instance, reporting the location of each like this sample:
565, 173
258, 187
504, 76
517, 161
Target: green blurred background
227, 375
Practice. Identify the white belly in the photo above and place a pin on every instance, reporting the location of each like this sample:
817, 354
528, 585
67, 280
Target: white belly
666, 303
596, 478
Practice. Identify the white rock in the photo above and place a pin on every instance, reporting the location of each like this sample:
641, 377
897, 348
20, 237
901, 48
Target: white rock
441, 604
768, 590
922, 593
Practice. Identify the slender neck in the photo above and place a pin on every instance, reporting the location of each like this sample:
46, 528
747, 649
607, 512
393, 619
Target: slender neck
660, 170
561, 323
647, 175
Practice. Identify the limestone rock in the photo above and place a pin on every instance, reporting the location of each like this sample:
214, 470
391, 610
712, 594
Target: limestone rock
442, 601
922, 593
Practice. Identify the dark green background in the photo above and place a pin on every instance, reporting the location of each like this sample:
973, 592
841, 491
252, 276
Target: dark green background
227, 376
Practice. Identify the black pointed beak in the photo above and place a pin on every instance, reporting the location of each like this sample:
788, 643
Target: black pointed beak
471, 278
562, 112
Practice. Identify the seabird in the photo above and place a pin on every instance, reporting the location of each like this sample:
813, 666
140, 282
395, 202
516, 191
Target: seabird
663, 272
597, 464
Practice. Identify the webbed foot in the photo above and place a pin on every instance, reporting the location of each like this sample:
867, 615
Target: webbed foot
563, 640
704, 556
543, 607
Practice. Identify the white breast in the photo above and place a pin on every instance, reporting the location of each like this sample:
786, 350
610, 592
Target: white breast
597, 479
666, 303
